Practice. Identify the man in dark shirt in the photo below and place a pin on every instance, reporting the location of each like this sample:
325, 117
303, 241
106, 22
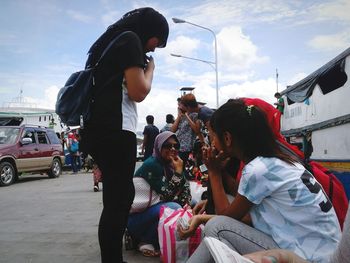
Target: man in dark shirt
149, 134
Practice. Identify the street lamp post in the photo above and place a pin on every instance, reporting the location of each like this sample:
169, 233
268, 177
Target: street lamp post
177, 21
210, 63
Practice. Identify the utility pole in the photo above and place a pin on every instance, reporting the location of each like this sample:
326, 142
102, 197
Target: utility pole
277, 79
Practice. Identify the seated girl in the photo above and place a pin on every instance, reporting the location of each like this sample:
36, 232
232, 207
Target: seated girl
278, 204
164, 172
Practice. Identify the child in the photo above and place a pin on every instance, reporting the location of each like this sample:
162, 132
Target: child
278, 203
97, 176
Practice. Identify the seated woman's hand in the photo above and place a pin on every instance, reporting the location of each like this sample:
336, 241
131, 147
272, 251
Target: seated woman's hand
199, 208
194, 223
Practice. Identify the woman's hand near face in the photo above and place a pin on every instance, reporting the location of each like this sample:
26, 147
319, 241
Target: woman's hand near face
177, 163
214, 160
150, 65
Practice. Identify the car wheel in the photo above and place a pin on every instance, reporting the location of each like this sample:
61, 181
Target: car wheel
7, 174
56, 169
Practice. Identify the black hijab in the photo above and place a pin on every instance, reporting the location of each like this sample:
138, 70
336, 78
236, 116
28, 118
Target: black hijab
144, 22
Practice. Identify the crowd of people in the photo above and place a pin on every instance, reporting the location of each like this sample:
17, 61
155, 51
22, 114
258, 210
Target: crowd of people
278, 210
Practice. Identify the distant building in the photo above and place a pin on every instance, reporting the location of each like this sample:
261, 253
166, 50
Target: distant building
31, 116
18, 112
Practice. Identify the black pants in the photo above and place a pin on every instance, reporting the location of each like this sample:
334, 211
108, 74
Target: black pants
115, 155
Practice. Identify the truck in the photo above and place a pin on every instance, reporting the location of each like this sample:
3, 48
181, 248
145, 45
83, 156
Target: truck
316, 116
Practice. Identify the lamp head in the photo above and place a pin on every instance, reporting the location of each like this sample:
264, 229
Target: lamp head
178, 20
175, 55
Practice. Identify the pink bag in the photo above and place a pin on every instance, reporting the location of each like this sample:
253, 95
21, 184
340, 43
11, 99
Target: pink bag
174, 250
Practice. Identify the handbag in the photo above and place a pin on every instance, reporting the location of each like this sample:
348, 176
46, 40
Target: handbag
172, 248
145, 197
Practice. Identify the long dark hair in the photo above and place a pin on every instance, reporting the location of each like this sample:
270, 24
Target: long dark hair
249, 129
144, 22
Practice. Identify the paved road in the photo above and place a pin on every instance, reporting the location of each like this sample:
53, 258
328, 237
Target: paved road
52, 220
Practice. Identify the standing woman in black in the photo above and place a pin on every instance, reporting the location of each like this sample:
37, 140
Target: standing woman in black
123, 78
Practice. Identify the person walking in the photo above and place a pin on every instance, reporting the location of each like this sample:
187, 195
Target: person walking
73, 147
123, 78
150, 132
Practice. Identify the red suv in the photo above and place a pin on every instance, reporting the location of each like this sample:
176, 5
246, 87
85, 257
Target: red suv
29, 149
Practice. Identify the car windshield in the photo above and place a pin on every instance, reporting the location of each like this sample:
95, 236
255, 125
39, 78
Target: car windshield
8, 135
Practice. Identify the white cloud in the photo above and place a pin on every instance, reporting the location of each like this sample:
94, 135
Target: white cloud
79, 16
183, 45
158, 103
236, 51
237, 56
263, 89
338, 42
296, 78
47, 101
256, 12
334, 10
110, 17
239, 12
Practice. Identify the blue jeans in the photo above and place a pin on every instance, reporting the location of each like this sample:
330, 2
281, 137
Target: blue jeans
75, 166
143, 227
238, 236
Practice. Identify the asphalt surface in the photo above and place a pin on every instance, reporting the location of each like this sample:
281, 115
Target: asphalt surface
46, 220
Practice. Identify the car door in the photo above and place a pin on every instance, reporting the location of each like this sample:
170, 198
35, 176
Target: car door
45, 149
28, 153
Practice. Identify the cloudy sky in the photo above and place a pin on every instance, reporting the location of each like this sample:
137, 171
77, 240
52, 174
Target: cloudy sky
43, 42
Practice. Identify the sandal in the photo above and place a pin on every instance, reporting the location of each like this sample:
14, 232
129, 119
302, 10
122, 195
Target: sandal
148, 250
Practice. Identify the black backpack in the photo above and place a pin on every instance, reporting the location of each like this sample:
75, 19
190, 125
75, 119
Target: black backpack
74, 100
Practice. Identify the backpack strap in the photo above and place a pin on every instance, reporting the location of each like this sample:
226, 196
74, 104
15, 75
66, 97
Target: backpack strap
110, 45
94, 69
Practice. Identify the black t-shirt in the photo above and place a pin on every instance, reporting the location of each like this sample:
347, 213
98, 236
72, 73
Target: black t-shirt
151, 131
106, 111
